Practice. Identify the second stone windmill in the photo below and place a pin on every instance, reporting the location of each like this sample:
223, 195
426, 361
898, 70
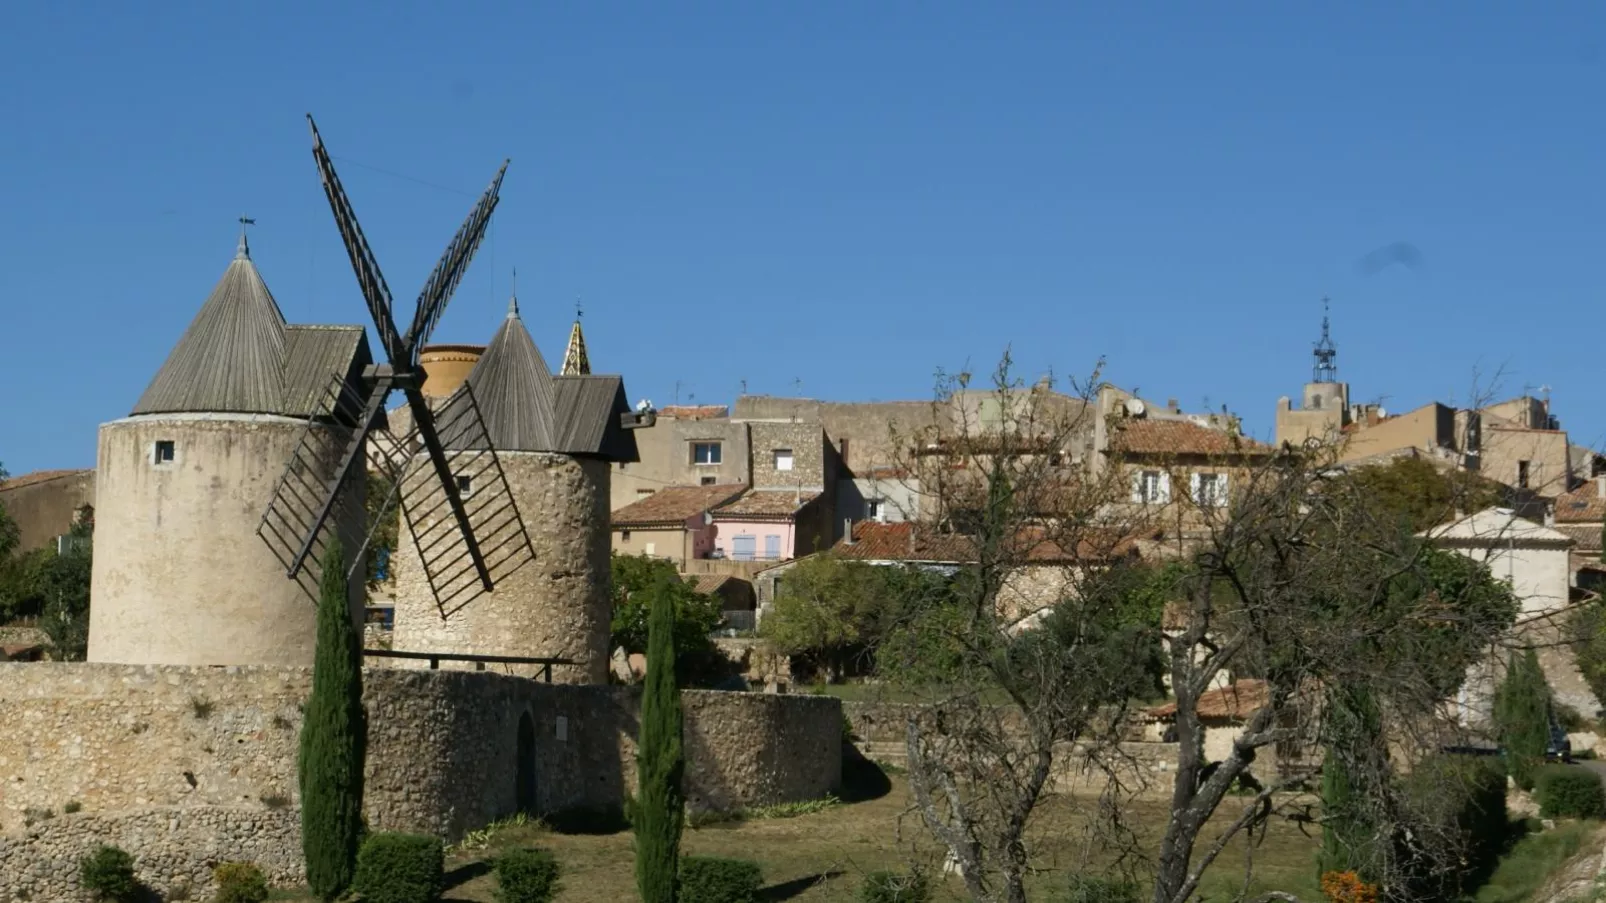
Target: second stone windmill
467, 543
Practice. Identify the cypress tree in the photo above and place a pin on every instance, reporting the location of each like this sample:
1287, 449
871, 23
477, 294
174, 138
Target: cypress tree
1522, 716
660, 759
333, 735
1352, 839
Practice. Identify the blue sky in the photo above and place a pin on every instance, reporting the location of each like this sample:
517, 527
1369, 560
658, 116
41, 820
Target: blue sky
842, 196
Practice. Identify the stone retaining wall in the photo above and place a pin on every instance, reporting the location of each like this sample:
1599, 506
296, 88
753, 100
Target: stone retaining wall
444, 748
173, 849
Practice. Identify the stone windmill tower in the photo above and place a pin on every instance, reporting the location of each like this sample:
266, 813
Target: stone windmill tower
180, 575
556, 438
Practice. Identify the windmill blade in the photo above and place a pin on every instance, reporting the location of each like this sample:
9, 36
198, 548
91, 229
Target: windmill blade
453, 560
313, 491
453, 264
424, 423
372, 282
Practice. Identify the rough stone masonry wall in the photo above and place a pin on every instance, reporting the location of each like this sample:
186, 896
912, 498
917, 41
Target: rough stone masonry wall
174, 849
556, 606
807, 444
444, 752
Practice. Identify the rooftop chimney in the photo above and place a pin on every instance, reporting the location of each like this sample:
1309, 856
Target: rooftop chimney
1171, 405
1600, 486
847, 530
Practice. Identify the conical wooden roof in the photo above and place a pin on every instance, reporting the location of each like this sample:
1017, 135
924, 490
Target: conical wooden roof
514, 389
231, 358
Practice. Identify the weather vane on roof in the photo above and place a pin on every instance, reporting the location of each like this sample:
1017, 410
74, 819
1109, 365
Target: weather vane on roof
578, 310
245, 249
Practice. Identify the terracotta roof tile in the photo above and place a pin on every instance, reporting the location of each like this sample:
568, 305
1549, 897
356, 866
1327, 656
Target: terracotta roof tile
1586, 536
38, 476
1180, 437
1238, 702
873, 541
1582, 505
707, 584
766, 503
694, 412
674, 504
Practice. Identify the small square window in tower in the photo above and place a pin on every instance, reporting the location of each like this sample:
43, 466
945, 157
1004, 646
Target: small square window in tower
465, 486
783, 459
164, 452
705, 454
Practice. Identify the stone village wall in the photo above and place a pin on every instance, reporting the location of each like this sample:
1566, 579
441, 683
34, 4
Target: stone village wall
166, 756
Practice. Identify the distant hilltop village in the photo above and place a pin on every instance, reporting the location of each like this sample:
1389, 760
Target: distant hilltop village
767, 479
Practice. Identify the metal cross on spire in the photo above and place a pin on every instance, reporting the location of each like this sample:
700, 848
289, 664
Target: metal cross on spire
244, 249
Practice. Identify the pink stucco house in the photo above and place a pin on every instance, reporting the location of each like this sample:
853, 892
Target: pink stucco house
771, 525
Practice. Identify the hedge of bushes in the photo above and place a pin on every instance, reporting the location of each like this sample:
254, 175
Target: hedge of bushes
400, 868
526, 876
894, 887
709, 879
1568, 792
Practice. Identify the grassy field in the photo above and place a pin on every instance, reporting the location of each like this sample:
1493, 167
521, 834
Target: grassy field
823, 856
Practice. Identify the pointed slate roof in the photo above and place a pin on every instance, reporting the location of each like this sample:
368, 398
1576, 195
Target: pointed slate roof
575, 360
514, 389
231, 358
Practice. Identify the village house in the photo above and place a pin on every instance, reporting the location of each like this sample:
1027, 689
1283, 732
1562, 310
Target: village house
1534, 560
673, 523
1581, 514
46, 503
771, 525
1176, 475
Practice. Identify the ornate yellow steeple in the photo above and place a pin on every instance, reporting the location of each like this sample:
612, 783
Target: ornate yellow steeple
575, 360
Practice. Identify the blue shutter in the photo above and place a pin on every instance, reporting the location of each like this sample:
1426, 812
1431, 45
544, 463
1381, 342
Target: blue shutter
772, 547
743, 547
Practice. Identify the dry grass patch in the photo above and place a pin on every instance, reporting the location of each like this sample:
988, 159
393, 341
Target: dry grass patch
822, 856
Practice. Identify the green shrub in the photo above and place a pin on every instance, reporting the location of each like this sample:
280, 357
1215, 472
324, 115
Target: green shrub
108, 873
1566, 792
1100, 889
526, 876
894, 887
709, 879
240, 882
400, 868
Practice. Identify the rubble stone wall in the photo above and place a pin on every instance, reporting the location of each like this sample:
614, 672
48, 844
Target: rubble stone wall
174, 849
448, 751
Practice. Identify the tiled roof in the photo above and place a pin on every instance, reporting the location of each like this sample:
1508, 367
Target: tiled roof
1582, 505
707, 584
674, 504
874, 541
38, 476
1180, 437
1586, 536
1236, 702
766, 503
694, 412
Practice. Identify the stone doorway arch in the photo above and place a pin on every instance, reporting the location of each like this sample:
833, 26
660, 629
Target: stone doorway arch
524, 795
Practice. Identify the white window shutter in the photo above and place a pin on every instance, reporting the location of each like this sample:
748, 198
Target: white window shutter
1193, 488
1165, 487
1221, 489
1137, 486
